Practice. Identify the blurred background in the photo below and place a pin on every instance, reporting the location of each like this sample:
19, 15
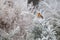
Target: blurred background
29, 19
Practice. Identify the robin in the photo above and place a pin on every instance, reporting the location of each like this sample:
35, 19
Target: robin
39, 15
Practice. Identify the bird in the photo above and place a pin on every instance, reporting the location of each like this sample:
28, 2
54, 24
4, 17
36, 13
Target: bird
39, 15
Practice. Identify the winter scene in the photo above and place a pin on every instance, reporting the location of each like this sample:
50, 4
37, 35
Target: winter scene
29, 19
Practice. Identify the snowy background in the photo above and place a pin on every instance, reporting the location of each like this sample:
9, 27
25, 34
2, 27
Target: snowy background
19, 20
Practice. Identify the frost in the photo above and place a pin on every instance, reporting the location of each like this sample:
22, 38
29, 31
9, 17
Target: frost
19, 21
